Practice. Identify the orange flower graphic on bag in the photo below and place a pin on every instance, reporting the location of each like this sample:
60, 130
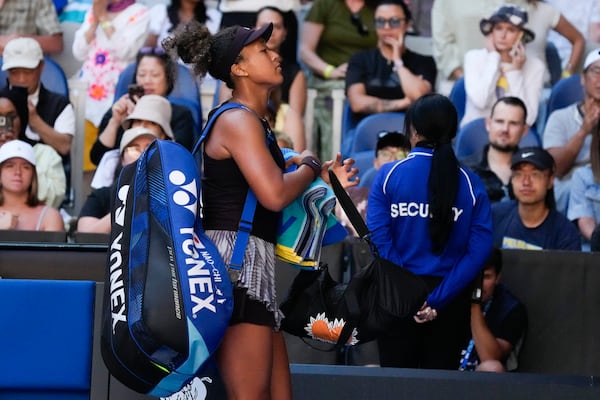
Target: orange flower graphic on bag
320, 328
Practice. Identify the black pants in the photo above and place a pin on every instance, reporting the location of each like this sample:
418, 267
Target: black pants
434, 345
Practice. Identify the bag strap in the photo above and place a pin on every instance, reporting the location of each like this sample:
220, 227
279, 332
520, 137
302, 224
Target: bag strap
212, 117
245, 225
346, 202
351, 294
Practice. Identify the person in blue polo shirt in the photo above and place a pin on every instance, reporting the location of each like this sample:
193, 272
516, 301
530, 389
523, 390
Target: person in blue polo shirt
431, 216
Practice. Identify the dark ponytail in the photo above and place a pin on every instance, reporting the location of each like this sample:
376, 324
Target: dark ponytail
434, 118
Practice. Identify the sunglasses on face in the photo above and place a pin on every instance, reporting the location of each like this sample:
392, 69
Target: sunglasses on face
394, 22
362, 29
157, 51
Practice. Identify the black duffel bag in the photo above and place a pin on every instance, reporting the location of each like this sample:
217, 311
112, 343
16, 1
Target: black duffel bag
377, 296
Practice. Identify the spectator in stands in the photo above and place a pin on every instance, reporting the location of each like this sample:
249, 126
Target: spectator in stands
584, 195
505, 127
531, 221
151, 111
108, 40
498, 323
568, 132
13, 121
544, 18
432, 217
452, 40
333, 31
585, 16
166, 18
20, 207
502, 68
36, 19
292, 92
94, 216
389, 77
390, 146
156, 72
244, 13
51, 115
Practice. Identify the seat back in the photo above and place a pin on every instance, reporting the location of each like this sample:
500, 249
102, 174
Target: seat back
472, 138
363, 160
46, 339
368, 128
531, 139
349, 122
565, 92
53, 77
458, 97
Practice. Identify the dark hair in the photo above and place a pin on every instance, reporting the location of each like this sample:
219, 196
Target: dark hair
165, 60
289, 48
399, 3
173, 13
511, 101
274, 9
494, 260
434, 117
18, 97
194, 44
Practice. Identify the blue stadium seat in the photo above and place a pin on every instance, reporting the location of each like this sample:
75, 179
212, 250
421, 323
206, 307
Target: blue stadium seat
366, 131
472, 138
46, 339
367, 177
53, 77
458, 97
348, 126
363, 161
564, 93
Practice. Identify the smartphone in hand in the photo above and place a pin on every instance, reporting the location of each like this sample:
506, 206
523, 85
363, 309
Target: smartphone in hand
135, 90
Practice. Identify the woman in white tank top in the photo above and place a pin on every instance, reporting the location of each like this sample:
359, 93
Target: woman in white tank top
20, 208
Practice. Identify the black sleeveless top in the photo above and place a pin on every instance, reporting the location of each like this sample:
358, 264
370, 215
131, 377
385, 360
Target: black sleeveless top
224, 192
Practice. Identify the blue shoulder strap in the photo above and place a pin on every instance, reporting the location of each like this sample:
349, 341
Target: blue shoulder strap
245, 226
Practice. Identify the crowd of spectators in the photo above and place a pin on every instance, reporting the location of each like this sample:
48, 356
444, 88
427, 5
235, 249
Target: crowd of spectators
543, 197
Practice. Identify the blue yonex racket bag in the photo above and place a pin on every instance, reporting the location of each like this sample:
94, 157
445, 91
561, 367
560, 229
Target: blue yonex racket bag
168, 298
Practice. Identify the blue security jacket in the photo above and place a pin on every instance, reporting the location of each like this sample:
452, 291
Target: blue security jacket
398, 218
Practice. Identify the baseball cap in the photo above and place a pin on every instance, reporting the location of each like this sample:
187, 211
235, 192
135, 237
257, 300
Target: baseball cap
536, 156
131, 134
243, 37
508, 13
22, 53
154, 108
591, 58
391, 138
17, 149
